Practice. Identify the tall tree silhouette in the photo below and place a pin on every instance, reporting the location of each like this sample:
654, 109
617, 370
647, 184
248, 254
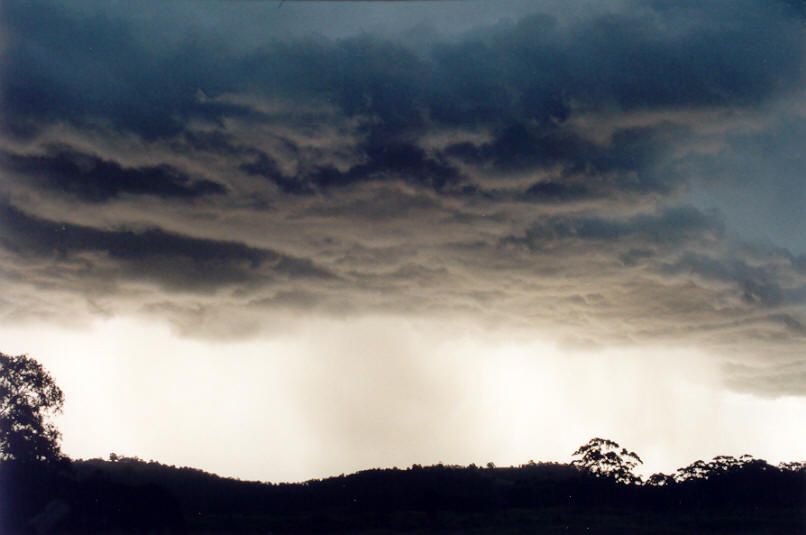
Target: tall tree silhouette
605, 458
28, 396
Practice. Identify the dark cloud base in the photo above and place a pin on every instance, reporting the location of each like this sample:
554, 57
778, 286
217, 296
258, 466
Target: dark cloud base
539, 173
93, 179
173, 261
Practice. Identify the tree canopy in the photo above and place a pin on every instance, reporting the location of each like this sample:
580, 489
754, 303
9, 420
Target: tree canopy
605, 458
28, 397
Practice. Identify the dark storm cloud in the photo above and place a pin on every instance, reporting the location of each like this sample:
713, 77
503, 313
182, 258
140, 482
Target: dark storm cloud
390, 161
520, 80
759, 284
758, 183
517, 146
60, 65
554, 191
93, 179
265, 166
663, 230
173, 261
591, 172
402, 161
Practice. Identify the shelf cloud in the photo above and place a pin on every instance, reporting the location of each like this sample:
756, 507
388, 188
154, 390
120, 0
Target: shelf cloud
630, 175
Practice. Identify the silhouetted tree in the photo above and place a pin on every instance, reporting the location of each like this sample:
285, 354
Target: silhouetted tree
699, 469
660, 480
719, 465
605, 458
28, 395
793, 466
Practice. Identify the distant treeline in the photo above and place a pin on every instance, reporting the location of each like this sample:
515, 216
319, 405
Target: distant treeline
129, 494
718, 483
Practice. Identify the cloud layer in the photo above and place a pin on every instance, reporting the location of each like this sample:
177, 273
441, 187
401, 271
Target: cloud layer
611, 177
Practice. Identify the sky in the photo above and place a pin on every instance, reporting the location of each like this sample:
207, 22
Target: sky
281, 241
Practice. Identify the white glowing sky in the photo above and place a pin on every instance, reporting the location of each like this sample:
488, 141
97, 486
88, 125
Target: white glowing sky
336, 397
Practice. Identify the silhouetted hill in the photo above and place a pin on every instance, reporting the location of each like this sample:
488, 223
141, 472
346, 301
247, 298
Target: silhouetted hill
129, 494
38, 498
425, 488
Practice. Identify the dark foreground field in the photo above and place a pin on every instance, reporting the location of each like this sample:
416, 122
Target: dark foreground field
549, 520
128, 495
